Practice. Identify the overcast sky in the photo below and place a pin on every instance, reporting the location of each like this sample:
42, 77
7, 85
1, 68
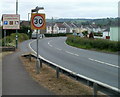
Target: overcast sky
63, 8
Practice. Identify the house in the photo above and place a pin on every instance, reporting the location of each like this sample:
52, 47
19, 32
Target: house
49, 28
94, 28
70, 27
106, 33
55, 28
115, 33
59, 28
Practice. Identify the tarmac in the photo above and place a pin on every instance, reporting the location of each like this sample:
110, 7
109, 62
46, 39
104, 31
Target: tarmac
16, 80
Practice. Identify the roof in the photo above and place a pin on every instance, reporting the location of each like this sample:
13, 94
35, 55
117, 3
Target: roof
108, 29
71, 25
25, 23
49, 24
60, 25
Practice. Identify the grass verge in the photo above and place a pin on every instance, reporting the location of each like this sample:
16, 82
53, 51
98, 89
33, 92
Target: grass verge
93, 44
61, 86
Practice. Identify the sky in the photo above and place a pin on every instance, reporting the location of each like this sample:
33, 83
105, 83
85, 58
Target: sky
63, 8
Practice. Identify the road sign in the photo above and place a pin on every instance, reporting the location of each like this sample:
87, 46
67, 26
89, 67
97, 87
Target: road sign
11, 21
38, 21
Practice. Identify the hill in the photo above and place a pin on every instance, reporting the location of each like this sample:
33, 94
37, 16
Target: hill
99, 22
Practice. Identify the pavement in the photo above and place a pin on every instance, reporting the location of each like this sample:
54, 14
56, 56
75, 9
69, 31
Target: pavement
16, 80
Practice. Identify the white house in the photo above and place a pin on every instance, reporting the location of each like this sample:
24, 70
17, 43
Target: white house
55, 28
59, 28
115, 33
48, 28
106, 33
70, 27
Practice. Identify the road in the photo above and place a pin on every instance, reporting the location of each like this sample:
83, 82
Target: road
99, 66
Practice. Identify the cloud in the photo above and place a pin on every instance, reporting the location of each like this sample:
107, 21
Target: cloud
64, 8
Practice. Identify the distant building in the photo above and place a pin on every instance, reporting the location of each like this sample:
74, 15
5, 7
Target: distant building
106, 33
70, 27
55, 28
59, 28
49, 28
94, 28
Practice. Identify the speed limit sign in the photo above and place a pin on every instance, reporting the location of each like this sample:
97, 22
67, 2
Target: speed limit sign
38, 21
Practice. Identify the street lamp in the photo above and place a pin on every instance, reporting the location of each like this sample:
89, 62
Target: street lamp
37, 9
37, 61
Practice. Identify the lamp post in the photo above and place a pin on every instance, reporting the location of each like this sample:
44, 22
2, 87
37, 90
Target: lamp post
37, 61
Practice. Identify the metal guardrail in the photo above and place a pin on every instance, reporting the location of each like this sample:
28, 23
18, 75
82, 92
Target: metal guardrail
96, 85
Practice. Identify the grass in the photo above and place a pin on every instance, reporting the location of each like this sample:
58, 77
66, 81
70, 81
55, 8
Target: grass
61, 86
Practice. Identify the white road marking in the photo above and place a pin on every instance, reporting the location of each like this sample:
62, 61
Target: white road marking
71, 53
104, 63
58, 49
76, 55
52, 46
49, 43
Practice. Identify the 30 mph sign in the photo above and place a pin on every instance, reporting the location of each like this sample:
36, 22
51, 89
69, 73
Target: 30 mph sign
38, 21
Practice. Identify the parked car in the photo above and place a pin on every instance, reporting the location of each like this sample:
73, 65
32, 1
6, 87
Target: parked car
34, 36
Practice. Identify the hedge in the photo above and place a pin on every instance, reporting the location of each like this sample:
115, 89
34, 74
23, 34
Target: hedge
57, 35
98, 44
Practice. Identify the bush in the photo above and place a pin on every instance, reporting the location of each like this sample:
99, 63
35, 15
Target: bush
10, 40
57, 35
98, 44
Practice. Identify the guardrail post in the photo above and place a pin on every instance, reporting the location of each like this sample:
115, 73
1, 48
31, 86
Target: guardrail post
57, 72
37, 66
30, 57
40, 63
94, 90
88, 83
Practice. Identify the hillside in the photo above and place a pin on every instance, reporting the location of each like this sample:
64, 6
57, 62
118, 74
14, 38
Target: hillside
99, 22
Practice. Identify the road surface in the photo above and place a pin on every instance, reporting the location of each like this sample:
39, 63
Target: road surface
99, 66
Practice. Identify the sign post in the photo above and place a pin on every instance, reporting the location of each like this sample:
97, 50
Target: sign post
38, 23
4, 38
10, 22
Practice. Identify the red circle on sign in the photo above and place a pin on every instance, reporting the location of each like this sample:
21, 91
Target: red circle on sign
33, 21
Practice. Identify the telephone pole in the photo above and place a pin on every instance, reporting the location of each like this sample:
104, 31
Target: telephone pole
16, 29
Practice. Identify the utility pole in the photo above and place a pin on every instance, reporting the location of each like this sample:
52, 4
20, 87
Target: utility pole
29, 26
52, 25
16, 29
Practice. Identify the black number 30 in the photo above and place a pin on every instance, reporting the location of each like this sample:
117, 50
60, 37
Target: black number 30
36, 21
